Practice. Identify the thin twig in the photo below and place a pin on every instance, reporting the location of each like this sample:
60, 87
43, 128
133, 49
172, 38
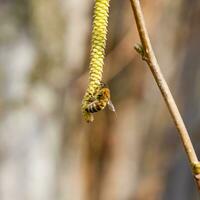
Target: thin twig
148, 55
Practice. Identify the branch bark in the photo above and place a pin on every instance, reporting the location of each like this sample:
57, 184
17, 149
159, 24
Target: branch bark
147, 53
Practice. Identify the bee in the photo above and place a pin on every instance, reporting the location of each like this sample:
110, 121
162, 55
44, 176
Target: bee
101, 100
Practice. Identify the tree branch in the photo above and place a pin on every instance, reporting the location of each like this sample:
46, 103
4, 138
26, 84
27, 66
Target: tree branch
147, 53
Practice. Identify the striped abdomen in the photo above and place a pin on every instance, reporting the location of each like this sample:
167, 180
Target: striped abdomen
96, 106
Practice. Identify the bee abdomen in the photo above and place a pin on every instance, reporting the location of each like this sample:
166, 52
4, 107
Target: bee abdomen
95, 107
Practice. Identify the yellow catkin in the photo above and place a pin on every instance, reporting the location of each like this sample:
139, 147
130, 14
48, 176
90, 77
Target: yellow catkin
98, 43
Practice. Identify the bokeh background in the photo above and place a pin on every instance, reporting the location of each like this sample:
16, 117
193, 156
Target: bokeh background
47, 151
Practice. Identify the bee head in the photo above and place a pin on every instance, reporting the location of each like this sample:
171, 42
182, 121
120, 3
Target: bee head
103, 85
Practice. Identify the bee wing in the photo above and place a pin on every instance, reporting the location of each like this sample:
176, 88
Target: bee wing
111, 106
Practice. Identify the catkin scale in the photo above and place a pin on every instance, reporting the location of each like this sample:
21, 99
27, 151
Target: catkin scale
98, 43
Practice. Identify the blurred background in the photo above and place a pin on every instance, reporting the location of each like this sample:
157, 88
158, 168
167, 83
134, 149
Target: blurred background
47, 151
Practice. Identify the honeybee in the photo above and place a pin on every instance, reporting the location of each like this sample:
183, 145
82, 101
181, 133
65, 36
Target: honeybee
101, 100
